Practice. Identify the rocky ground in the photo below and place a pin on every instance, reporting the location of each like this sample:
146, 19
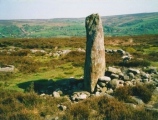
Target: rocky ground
115, 77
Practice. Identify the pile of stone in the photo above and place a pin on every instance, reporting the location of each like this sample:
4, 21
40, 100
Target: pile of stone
77, 96
35, 51
116, 77
61, 53
125, 55
65, 52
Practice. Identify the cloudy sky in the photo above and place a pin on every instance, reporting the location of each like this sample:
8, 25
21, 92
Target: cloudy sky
47, 9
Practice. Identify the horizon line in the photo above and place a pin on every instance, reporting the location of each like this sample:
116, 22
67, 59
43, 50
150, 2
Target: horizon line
77, 17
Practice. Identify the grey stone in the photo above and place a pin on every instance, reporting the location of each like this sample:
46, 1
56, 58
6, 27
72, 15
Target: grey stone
145, 80
82, 96
56, 94
126, 78
101, 84
104, 79
114, 76
62, 107
98, 86
97, 93
42, 95
7, 68
51, 117
126, 58
77, 96
138, 100
95, 52
131, 105
134, 71
116, 83
131, 75
114, 70
144, 75
122, 52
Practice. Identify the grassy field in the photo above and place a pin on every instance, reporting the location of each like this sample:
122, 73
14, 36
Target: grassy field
119, 25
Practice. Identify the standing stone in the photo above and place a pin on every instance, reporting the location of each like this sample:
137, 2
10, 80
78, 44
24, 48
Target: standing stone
95, 52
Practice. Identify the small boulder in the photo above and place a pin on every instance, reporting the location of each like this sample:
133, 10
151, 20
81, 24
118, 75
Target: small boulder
122, 52
101, 84
138, 100
114, 70
126, 78
114, 76
131, 75
134, 71
56, 94
116, 83
105, 79
62, 107
77, 96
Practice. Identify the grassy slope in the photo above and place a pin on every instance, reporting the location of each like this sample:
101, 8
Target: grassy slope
120, 25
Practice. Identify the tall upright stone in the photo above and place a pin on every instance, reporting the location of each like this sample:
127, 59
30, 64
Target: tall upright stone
95, 52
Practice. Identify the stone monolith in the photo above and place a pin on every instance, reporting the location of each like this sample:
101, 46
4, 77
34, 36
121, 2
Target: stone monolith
95, 52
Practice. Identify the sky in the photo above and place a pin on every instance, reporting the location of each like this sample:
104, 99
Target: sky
48, 9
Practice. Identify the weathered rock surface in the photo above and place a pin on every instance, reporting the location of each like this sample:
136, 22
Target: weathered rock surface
95, 52
114, 70
77, 96
56, 94
104, 79
8, 68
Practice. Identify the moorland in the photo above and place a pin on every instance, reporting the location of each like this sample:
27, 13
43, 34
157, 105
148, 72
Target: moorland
54, 56
119, 25
34, 60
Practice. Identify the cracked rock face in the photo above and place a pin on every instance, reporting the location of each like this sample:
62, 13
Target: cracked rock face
95, 52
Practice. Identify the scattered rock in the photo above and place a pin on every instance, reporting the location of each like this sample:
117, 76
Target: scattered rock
56, 94
131, 105
77, 96
115, 83
122, 52
114, 70
101, 84
126, 78
134, 71
104, 79
7, 68
138, 100
62, 107
131, 75
114, 76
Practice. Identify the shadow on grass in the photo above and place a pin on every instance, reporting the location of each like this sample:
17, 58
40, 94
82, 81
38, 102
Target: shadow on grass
67, 85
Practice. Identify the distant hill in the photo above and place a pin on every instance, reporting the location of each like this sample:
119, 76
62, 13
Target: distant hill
118, 25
